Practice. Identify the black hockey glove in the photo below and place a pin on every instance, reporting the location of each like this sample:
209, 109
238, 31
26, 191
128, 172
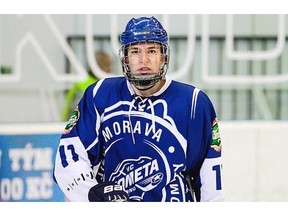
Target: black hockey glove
107, 192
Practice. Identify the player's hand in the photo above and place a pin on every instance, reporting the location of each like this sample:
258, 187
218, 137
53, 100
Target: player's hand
107, 192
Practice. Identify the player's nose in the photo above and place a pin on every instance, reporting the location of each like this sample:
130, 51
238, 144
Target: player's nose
143, 57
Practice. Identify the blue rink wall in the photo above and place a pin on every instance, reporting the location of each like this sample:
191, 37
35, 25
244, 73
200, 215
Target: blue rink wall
255, 161
27, 154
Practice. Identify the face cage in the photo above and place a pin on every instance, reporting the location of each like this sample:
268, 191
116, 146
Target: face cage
140, 81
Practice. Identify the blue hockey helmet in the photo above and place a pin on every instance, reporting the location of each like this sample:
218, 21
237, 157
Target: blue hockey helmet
144, 29
140, 30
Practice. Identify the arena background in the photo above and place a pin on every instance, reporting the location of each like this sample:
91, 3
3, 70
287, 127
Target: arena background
241, 61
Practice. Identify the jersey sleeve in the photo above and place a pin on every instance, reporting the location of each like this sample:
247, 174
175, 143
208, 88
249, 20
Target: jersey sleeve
78, 151
204, 155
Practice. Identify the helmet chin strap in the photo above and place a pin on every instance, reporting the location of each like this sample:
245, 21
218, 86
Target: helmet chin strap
148, 87
144, 83
144, 89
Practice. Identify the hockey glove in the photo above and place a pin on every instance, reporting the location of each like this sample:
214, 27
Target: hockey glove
107, 192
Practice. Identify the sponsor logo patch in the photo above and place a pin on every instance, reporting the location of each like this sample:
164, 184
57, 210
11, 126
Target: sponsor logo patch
216, 140
72, 121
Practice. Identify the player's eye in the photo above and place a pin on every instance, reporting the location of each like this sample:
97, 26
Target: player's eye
153, 51
134, 51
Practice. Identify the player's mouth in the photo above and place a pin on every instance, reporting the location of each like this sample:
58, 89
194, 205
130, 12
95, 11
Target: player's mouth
144, 70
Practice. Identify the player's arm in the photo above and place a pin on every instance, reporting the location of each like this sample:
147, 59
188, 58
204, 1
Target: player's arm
73, 170
204, 153
79, 155
211, 170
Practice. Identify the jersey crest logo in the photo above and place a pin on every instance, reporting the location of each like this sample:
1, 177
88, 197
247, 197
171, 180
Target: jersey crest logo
72, 121
138, 174
216, 140
158, 148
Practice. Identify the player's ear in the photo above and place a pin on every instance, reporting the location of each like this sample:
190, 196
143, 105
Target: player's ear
163, 58
126, 60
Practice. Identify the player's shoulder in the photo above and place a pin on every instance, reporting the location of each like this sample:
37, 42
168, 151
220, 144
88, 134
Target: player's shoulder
107, 84
113, 82
187, 88
184, 87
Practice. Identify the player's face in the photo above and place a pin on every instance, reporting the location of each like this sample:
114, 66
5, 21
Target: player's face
144, 58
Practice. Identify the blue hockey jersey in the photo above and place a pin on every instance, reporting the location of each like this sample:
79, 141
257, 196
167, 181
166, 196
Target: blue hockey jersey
165, 147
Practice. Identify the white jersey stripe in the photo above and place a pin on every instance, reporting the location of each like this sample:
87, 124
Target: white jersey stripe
194, 102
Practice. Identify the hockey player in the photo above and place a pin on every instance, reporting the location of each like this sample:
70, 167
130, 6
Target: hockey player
141, 137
